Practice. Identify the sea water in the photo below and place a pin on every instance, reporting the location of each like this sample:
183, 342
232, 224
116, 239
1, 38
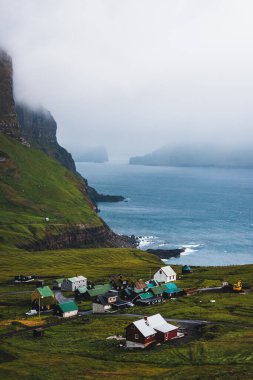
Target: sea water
209, 211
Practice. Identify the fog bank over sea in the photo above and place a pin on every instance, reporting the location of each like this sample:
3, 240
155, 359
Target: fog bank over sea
206, 210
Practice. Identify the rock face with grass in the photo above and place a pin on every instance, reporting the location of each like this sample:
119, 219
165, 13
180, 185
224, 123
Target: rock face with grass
38, 127
8, 118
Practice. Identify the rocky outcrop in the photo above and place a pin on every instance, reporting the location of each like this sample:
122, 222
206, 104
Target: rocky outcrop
39, 128
81, 236
96, 197
8, 118
166, 253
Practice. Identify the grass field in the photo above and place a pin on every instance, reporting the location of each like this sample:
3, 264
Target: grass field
79, 347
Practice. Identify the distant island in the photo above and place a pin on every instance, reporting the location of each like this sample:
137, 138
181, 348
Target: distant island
96, 154
190, 156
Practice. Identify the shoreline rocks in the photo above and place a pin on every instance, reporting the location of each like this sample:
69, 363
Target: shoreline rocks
166, 253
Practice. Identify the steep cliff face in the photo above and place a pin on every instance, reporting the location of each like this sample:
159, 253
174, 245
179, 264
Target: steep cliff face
43, 205
8, 118
38, 127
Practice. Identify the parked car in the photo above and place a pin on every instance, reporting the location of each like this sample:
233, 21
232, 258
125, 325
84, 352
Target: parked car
31, 312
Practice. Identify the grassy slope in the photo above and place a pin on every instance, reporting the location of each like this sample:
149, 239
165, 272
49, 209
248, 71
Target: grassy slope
34, 186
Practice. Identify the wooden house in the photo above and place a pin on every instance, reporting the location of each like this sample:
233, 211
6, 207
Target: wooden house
73, 283
148, 330
108, 302
139, 334
164, 330
165, 274
43, 298
66, 309
140, 286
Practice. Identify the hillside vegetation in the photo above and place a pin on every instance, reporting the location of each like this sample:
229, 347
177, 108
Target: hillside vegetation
33, 187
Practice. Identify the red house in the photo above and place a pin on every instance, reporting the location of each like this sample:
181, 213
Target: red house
142, 333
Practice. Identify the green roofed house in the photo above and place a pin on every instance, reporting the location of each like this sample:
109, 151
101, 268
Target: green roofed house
186, 269
81, 293
170, 289
99, 290
57, 283
66, 309
157, 290
148, 298
43, 298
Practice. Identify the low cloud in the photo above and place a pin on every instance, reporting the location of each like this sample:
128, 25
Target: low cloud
135, 75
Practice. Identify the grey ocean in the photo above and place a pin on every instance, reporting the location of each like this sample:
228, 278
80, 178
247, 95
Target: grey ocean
207, 210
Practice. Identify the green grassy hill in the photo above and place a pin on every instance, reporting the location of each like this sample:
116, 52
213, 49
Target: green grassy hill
34, 186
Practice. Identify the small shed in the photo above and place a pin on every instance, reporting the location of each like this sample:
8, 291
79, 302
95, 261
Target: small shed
38, 333
73, 283
165, 274
66, 309
186, 269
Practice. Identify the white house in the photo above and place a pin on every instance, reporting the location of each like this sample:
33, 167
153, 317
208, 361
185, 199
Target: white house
73, 283
165, 274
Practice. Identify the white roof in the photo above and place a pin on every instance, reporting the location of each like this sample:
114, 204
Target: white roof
168, 271
78, 278
159, 323
144, 328
155, 322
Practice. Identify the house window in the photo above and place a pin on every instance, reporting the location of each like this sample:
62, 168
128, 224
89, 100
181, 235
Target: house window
136, 336
133, 327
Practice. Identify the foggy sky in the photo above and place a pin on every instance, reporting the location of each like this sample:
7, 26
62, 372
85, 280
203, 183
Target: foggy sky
134, 75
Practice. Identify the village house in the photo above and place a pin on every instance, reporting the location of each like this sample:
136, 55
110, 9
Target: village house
43, 298
165, 274
171, 290
57, 283
66, 309
142, 333
73, 283
108, 302
119, 282
139, 286
149, 298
